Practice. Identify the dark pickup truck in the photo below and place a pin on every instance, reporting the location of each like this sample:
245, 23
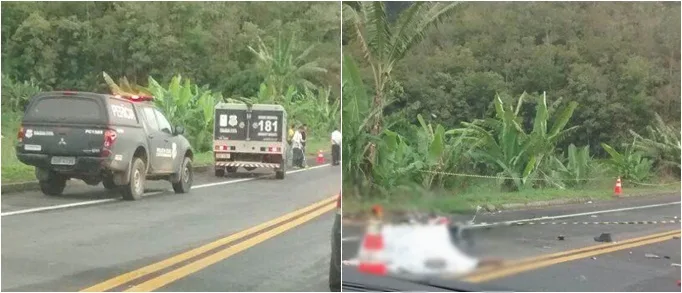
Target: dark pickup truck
119, 141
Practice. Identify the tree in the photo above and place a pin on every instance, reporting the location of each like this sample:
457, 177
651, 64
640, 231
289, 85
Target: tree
384, 43
283, 68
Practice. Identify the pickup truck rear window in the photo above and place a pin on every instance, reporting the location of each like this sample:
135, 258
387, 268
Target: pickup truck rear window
65, 109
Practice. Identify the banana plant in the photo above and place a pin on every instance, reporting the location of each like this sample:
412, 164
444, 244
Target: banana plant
187, 104
630, 164
356, 114
397, 163
384, 43
432, 145
662, 142
124, 87
502, 141
283, 68
16, 95
575, 169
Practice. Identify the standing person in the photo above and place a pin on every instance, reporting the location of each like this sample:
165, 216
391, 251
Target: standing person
304, 137
297, 146
336, 147
290, 151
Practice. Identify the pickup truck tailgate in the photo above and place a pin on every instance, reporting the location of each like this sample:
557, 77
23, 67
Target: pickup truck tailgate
64, 126
63, 140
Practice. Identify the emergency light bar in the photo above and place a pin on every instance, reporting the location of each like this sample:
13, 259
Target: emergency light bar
137, 98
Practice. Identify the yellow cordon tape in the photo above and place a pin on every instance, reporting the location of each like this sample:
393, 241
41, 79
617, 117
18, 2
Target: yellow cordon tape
540, 179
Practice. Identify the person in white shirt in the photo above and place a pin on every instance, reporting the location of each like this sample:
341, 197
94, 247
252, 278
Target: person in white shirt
297, 145
336, 147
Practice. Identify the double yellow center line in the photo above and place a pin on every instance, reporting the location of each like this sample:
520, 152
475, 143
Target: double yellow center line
533, 263
159, 274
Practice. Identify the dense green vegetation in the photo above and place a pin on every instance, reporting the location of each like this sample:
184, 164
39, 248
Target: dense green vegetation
446, 98
189, 55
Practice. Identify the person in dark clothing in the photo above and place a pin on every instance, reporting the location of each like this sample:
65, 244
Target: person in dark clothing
336, 147
304, 134
298, 155
304, 137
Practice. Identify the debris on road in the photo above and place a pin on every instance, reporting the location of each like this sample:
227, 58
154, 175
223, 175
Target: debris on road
675, 265
589, 201
604, 237
676, 237
594, 257
593, 216
651, 255
561, 237
666, 257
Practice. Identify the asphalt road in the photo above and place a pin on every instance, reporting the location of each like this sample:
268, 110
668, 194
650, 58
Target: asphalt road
171, 242
622, 270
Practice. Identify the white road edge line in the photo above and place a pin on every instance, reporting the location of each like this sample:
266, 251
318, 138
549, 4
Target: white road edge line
254, 178
69, 205
62, 206
99, 201
575, 215
350, 239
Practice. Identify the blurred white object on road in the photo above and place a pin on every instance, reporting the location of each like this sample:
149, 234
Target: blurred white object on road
424, 250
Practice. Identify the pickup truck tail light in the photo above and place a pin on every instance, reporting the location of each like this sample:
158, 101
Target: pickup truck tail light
20, 134
110, 136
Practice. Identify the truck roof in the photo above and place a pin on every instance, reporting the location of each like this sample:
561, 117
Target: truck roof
82, 94
269, 107
71, 93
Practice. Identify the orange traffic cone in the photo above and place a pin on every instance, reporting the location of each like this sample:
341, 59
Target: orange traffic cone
370, 257
618, 190
320, 157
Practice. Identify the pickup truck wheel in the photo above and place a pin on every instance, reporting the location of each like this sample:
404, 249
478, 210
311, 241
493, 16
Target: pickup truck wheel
231, 169
108, 183
135, 188
186, 177
220, 173
54, 186
279, 174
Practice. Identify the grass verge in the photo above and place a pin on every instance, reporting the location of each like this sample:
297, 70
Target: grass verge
489, 195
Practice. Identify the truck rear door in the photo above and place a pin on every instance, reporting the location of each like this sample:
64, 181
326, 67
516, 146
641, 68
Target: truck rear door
230, 124
64, 125
266, 125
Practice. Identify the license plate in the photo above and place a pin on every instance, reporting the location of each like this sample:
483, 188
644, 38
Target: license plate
33, 147
222, 156
63, 160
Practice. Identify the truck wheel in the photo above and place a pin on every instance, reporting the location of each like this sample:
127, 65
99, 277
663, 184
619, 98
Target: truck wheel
135, 187
108, 183
279, 174
53, 186
231, 169
220, 173
186, 177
